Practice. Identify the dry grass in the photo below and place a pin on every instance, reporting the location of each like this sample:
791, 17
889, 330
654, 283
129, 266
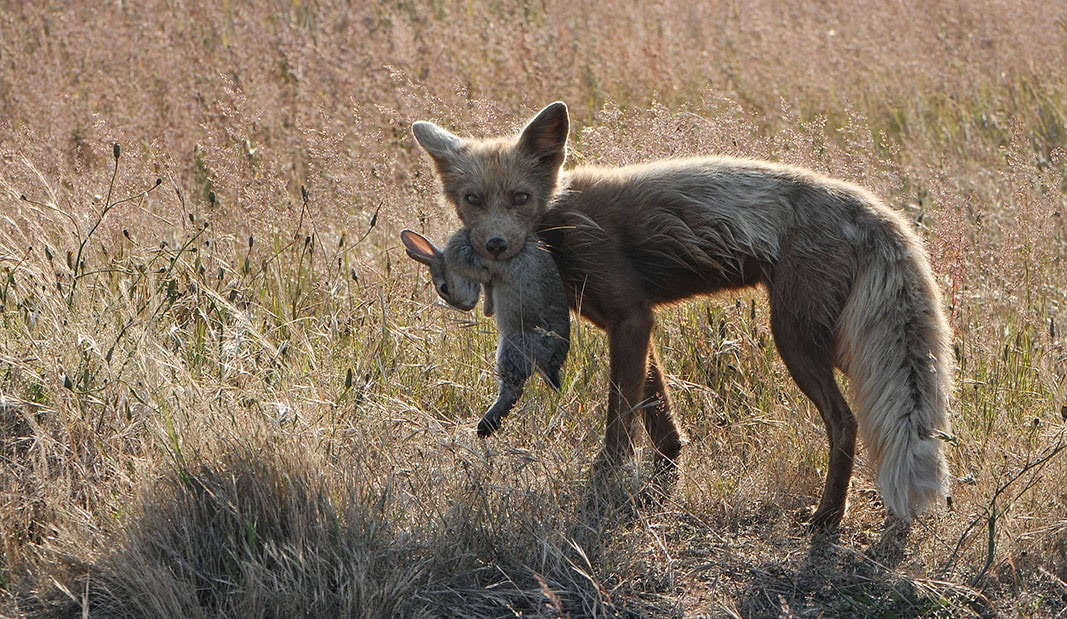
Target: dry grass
227, 393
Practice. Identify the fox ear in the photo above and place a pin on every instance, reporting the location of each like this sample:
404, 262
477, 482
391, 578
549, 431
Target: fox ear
546, 134
435, 140
419, 248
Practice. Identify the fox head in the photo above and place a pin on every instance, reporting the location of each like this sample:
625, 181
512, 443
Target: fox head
500, 187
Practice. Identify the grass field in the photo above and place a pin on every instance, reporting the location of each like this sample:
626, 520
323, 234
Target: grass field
226, 392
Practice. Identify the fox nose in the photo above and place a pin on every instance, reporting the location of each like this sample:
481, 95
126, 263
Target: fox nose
496, 246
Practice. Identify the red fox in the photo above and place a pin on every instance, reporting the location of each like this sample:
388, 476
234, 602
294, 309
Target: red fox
849, 286
523, 293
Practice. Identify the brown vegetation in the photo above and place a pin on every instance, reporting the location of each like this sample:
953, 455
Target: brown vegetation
228, 394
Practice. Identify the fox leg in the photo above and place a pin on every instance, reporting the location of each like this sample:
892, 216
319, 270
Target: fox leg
806, 350
628, 340
659, 422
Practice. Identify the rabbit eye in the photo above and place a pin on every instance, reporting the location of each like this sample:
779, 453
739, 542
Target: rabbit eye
443, 290
520, 198
473, 199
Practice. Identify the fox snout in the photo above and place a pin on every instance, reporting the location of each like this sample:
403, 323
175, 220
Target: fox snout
498, 242
497, 236
496, 246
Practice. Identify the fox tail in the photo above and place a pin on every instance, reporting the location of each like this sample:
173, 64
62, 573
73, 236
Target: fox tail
894, 343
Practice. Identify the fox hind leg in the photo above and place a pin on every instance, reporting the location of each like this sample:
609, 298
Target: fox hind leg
667, 439
659, 421
807, 352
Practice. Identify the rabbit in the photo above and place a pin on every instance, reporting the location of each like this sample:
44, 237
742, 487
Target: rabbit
525, 296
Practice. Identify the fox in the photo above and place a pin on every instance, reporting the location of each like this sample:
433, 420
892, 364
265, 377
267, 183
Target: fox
523, 293
848, 281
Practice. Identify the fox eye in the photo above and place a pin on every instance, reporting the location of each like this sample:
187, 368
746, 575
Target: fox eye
520, 198
473, 199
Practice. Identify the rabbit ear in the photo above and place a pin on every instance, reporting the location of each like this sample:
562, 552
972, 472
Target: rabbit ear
419, 248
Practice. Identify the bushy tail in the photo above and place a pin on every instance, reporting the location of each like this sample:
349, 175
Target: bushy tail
894, 344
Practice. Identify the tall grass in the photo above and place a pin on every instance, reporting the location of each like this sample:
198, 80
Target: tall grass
226, 392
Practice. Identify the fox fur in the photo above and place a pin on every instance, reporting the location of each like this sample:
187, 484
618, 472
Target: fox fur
849, 286
524, 294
